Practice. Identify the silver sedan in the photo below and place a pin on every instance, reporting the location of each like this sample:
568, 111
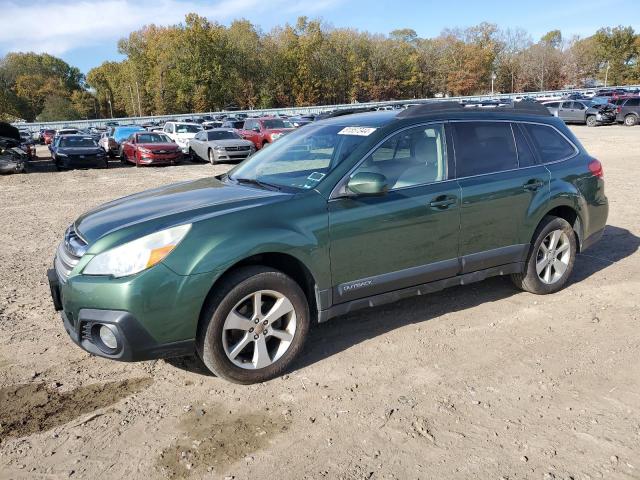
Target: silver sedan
220, 145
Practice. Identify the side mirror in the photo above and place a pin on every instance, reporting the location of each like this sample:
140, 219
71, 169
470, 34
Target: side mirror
368, 184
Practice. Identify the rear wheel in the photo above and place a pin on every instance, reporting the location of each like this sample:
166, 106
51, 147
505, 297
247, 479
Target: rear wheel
551, 258
591, 121
123, 157
254, 326
630, 120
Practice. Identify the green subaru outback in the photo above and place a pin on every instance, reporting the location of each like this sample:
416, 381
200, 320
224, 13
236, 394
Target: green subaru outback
349, 212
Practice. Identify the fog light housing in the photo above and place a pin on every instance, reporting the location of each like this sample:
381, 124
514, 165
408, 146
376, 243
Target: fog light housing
105, 337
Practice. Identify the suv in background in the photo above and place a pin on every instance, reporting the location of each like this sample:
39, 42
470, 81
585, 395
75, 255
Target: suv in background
582, 111
628, 110
349, 212
265, 130
181, 133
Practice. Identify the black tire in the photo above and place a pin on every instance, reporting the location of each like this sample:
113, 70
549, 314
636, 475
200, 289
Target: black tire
592, 121
123, 157
232, 289
630, 120
193, 156
529, 279
212, 158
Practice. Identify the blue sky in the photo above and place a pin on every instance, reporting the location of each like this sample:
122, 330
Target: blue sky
85, 32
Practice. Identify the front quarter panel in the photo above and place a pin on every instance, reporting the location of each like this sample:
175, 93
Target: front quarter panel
296, 227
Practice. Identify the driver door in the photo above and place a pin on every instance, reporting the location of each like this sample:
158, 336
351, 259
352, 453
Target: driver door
407, 236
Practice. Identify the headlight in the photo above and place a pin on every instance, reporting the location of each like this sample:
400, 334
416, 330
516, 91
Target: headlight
144, 150
219, 148
138, 255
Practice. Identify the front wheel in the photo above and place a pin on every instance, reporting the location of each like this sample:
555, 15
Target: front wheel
551, 258
254, 326
630, 120
212, 157
592, 121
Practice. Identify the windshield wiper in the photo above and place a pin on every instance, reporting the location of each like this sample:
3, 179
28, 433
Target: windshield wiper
254, 181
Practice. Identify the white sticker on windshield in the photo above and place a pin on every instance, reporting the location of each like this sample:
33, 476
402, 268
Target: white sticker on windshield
360, 131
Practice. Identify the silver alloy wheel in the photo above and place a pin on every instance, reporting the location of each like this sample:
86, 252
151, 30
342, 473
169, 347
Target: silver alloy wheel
259, 329
553, 256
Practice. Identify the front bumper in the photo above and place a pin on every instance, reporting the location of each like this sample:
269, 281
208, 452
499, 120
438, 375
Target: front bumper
153, 314
236, 156
86, 162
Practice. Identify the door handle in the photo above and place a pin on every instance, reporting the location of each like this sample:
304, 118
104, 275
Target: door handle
533, 185
442, 202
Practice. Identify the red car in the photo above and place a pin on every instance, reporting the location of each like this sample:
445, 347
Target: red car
150, 148
262, 131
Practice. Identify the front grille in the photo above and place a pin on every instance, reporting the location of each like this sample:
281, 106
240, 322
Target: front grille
69, 253
164, 151
240, 148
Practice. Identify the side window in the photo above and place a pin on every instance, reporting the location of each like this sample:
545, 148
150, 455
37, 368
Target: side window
633, 102
415, 156
525, 155
483, 147
567, 104
551, 146
578, 106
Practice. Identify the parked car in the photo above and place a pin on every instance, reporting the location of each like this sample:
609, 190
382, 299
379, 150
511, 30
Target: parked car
264, 130
301, 120
350, 212
12, 158
77, 151
220, 145
628, 111
147, 148
46, 135
582, 111
108, 144
235, 124
209, 124
181, 133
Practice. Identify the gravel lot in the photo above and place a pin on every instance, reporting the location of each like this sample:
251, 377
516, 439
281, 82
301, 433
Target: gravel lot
475, 381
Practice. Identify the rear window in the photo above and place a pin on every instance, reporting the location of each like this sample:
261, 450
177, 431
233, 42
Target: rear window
551, 146
483, 147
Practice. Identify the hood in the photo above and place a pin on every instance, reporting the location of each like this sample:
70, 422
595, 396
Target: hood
186, 135
79, 150
169, 205
159, 146
231, 142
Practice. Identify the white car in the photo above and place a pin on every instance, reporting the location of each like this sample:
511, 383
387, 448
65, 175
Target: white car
181, 133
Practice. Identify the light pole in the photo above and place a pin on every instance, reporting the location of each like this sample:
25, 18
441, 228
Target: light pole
493, 77
110, 107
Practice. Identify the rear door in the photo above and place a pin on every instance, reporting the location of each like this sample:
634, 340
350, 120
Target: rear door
566, 112
579, 112
501, 185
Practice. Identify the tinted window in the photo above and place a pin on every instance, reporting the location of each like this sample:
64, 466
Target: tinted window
152, 138
632, 102
483, 147
551, 146
187, 128
412, 157
276, 123
566, 104
222, 135
74, 142
525, 155
578, 106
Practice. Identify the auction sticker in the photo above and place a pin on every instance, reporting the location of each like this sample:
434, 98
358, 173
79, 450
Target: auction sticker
360, 131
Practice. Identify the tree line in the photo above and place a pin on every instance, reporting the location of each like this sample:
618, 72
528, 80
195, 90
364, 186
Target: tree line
200, 65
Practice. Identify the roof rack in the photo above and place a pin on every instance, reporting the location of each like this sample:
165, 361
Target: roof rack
428, 108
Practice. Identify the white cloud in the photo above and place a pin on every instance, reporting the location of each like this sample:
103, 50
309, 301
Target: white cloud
58, 27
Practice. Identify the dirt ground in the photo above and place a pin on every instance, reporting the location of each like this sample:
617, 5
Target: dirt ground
480, 381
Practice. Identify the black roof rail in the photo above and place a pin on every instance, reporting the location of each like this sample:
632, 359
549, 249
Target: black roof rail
429, 108
345, 111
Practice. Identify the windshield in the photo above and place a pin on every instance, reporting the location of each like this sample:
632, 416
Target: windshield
153, 138
276, 123
77, 142
299, 160
222, 135
187, 128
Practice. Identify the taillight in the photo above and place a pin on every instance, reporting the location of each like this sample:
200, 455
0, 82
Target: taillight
595, 167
